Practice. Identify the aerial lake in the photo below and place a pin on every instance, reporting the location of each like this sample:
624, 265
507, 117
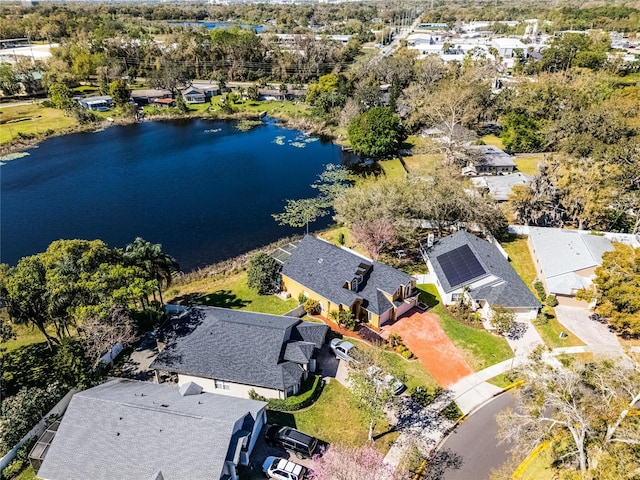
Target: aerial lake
203, 189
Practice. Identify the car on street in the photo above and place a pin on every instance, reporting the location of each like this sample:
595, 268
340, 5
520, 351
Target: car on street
280, 468
343, 349
300, 443
383, 379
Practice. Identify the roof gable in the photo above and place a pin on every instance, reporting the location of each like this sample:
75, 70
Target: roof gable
131, 429
326, 269
232, 345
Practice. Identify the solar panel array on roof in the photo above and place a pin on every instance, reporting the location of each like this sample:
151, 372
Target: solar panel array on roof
460, 265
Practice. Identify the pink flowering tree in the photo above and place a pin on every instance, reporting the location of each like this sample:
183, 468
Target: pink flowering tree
353, 463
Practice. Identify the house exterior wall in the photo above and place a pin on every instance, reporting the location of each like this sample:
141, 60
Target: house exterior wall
295, 289
235, 389
536, 262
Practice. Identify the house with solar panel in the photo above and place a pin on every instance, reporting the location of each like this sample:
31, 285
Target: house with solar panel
234, 352
340, 279
467, 267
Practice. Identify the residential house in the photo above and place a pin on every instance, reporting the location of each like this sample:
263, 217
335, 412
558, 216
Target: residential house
472, 269
163, 102
146, 97
130, 429
500, 186
99, 103
566, 260
488, 160
233, 352
340, 279
193, 95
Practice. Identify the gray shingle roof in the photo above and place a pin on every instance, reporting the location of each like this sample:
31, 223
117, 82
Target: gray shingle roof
236, 346
493, 156
508, 289
131, 429
324, 268
299, 352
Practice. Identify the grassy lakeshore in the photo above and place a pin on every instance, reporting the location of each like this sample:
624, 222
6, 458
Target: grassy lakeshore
23, 126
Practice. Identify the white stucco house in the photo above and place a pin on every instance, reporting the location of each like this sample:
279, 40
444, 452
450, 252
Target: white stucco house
464, 264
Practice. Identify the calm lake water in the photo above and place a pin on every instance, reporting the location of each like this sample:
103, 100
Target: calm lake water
203, 189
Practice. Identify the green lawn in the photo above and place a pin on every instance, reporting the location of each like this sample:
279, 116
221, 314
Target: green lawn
520, 259
493, 140
503, 380
26, 335
286, 108
335, 419
393, 168
411, 372
480, 348
31, 120
539, 469
422, 164
528, 162
26, 474
550, 333
230, 292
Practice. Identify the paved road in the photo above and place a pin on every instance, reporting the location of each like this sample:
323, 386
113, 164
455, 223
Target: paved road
474, 446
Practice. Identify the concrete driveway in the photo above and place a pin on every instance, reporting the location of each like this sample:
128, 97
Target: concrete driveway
594, 334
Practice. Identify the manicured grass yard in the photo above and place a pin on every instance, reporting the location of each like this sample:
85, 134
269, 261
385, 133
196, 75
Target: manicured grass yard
528, 162
539, 469
335, 419
550, 333
229, 292
31, 119
411, 372
480, 348
393, 168
520, 259
270, 107
493, 140
26, 335
421, 164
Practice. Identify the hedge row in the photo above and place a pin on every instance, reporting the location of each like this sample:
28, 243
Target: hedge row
297, 402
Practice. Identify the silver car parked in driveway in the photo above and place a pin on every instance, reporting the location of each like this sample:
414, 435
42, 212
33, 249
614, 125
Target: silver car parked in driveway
343, 349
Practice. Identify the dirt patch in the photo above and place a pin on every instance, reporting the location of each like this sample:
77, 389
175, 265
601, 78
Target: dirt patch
422, 334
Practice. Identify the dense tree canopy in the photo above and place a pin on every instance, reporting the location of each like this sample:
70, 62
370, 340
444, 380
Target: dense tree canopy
376, 133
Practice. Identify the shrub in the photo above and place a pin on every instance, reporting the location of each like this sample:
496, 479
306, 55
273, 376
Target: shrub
548, 311
451, 412
551, 300
312, 307
347, 320
423, 396
302, 298
341, 238
541, 319
262, 272
311, 390
407, 354
540, 289
394, 340
253, 395
21, 461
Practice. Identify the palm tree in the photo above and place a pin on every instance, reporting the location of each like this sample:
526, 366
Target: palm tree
150, 257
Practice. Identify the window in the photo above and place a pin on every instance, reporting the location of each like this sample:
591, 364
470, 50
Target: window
354, 284
220, 385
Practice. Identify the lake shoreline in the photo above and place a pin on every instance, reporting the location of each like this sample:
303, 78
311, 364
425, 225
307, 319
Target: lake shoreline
304, 124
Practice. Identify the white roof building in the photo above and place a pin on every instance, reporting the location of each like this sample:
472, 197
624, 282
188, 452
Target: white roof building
566, 260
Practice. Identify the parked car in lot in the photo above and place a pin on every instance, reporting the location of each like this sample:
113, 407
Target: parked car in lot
383, 379
282, 469
301, 444
343, 349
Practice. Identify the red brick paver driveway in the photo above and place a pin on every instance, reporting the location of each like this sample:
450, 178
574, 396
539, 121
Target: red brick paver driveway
422, 334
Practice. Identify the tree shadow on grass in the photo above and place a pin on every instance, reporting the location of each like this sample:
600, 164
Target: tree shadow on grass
429, 299
220, 298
